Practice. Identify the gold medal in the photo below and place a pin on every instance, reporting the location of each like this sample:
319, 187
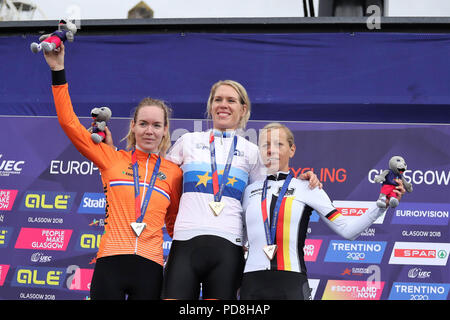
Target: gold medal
270, 250
216, 207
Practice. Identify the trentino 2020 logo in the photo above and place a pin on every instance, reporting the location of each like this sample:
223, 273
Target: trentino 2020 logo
355, 251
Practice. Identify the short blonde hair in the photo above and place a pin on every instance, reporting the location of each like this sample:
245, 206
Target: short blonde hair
165, 142
277, 125
243, 99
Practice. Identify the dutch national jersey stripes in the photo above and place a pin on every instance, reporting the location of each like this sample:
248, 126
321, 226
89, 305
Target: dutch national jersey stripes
116, 183
116, 174
292, 225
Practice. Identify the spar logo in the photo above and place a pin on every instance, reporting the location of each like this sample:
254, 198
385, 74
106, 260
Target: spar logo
50, 201
7, 198
92, 203
355, 251
38, 277
419, 291
420, 253
357, 208
353, 290
311, 249
422, 214
43, 239
351, 209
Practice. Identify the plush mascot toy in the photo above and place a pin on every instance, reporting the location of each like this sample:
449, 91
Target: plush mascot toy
397, 166
50, 42
100, 116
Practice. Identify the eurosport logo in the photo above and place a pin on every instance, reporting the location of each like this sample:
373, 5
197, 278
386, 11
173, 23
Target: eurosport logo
50, 201
357, 208
72, 167
7, 198
352, 290
355, 251
420, 253
38, 277
419, 291
43, 239
5, 236
92, 203
422, 213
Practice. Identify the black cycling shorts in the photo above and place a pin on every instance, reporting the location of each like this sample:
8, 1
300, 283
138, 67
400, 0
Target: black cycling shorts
275, 285
131, 277
212, 261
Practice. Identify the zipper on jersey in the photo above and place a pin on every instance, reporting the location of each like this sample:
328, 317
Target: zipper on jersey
143, 195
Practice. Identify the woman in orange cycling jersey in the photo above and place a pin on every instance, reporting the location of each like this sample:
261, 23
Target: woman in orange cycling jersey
142, 191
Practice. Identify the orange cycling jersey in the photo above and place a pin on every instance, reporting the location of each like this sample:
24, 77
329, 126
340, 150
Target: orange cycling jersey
118, 185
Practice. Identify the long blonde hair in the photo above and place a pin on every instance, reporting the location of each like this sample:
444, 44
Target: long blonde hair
243, 99
165, 142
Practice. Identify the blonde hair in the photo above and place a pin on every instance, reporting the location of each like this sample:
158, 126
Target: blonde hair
165, 142
243, 99
277, 125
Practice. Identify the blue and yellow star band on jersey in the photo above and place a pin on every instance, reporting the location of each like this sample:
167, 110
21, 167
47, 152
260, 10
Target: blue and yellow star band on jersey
197, 178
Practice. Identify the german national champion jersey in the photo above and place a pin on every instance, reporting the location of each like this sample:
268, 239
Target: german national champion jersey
292, 223
195, 217
118, 185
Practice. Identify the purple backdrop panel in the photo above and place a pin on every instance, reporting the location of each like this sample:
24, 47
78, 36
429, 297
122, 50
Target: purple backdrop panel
52, 209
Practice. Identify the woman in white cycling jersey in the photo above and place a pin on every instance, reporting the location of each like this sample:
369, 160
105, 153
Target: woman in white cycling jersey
277, 210
217, 166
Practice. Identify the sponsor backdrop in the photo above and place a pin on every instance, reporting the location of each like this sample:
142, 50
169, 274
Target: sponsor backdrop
52, 209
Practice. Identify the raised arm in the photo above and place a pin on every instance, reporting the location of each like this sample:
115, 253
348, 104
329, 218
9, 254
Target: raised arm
101, 154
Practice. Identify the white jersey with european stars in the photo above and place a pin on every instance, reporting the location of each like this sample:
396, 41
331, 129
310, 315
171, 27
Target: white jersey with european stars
192, 153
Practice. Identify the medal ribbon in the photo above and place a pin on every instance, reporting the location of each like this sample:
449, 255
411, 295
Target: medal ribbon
271, 230
140, 210
218, 190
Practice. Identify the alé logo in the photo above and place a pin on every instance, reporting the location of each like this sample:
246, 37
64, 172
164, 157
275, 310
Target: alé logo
38, 277
50, 201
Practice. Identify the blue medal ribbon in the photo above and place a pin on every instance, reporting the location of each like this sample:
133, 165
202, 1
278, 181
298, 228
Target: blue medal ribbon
140, 210
270, 231
218, 189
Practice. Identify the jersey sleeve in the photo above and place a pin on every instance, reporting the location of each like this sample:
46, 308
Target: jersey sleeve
348, 227
100, 154
176, 190
175, 153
